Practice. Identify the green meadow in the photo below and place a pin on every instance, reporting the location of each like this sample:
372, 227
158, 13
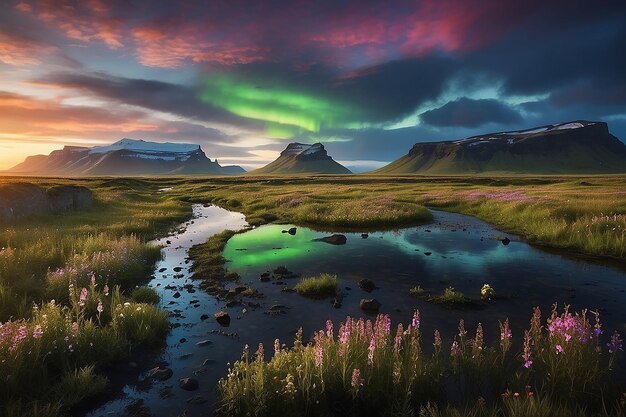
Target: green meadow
70, 302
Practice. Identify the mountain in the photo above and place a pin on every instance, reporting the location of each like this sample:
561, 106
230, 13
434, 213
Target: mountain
566, 148
125, 157
298, 158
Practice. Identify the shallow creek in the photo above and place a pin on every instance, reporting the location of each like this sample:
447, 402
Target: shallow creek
454, 250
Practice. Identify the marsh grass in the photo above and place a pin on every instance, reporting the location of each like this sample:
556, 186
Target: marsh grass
450, 297
582, 214
75, 267
370, 368
324, 285
145, 295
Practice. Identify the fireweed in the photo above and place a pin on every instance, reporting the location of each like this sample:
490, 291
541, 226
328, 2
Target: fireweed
367, 368
42, 358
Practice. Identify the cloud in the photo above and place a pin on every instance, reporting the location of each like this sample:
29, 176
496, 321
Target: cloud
150, 94
466, 112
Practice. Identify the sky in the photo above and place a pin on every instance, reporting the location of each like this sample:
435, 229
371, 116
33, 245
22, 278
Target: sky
242, 79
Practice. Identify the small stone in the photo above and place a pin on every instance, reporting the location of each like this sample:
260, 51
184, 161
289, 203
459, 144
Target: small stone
370, 304
176, 295
204, 317
506, 241
160, 373
198, 399
188, 384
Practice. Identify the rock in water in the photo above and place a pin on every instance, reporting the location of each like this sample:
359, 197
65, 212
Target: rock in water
367, 285
292, 231
333, 240
160, 373
222, 318
370, 304
188, 384
506, 241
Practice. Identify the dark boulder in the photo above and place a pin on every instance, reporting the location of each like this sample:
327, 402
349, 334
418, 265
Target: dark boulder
69, 197
370, 304
292, 231
367, 285
506, 241
365, 235
333, 240
222, 318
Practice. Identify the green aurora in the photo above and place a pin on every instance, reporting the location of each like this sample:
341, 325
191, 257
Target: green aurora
285, 111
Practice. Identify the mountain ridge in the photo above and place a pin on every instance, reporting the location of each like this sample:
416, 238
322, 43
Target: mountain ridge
574, 147
126, 157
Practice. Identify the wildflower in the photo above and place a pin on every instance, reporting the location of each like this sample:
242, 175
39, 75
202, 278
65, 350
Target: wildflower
416, 320
559, 349
527, 352
74, 328
37, 332
437, 342
478, 340
370, 351
19, 337
454, 349
357, 381
329, 328
276, 347
462, 332
260, 352
616, 343
398, 339
83, 297
535, 322
106, 290
319, 348
100, 307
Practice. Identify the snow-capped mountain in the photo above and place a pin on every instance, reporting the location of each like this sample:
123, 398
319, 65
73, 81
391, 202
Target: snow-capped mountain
125, 157
303, 158
574, 147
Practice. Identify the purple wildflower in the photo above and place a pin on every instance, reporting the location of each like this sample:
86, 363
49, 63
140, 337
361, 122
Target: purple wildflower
329, 328
370, 351
100, 307
616, 343
416, 320
527, 352
83, 297
37, 332
398, 339
357, 381
559, 349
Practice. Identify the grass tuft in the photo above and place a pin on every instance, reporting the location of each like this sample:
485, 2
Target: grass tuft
324, 285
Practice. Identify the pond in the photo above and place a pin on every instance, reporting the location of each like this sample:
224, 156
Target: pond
454, 250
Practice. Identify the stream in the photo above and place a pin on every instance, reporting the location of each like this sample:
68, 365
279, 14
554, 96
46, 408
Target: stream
455, 250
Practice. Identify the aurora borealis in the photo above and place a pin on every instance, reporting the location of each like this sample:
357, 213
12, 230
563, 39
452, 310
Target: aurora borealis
242, 79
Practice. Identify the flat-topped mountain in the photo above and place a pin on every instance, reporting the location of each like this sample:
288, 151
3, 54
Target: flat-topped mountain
300, 158
566, 148
125, 157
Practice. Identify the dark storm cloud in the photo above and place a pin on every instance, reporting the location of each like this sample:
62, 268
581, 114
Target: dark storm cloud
466, 112
156, 95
